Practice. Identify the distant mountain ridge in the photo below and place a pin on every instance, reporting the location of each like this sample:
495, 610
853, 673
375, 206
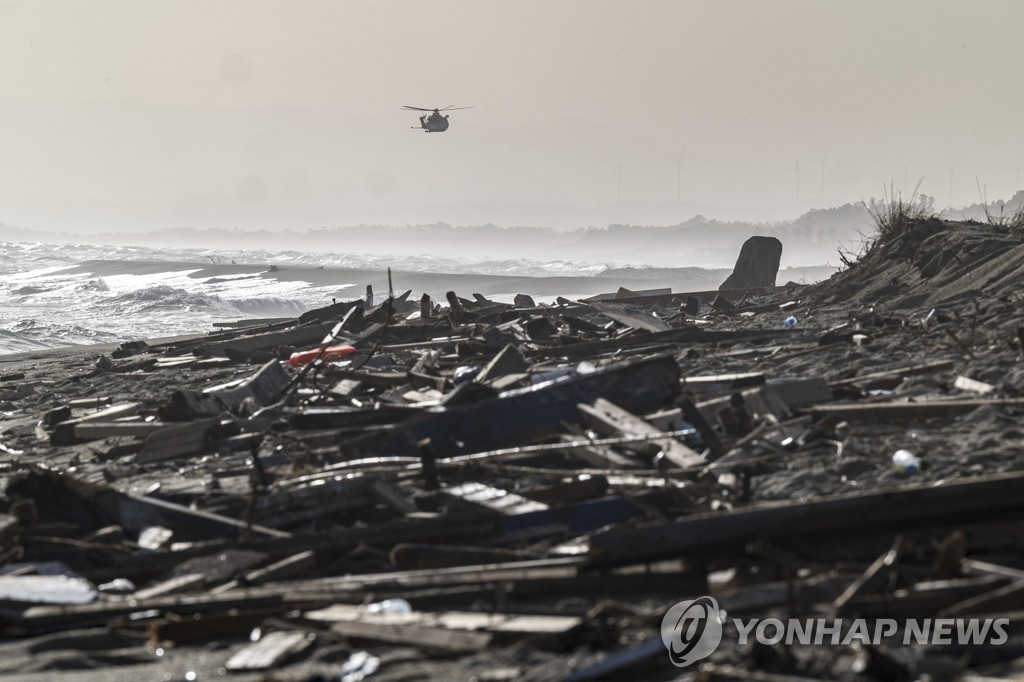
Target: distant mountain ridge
813, 238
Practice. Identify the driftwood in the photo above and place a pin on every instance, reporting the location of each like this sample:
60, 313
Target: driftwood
887, 511
65, 432
612, 420
468, 468
529, 413
299, 337
931, 409
632, 318
270, 650
261, 389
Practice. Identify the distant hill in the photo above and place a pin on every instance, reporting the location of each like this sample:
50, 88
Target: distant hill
811, 239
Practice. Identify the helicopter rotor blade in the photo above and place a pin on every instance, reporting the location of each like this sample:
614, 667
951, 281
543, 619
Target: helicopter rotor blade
416, 108
452, 107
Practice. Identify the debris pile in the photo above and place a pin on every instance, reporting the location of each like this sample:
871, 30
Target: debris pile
414, 490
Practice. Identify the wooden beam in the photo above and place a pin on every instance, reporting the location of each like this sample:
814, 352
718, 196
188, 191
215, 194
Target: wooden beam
882, 512
299, 337
638, 319
893, 377
126, 429
264, 387
521, 415
270, 650
178, 440
417, 636
899, 411
516, 625
610, 419
672, 337
64, 433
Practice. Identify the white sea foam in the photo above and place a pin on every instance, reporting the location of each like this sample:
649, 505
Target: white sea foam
47, 301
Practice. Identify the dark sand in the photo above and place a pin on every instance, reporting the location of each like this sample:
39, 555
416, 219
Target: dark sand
969, 275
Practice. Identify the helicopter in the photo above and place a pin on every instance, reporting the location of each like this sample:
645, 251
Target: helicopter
435, 121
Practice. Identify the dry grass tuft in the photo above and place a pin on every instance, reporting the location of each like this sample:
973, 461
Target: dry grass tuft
894, 216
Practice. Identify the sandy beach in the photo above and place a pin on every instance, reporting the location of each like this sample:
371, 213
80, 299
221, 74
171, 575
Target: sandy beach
916, 347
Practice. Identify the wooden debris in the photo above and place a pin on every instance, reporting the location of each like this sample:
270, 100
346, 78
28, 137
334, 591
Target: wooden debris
485, 479
178, 440
931, 409
632, 318
270, 650
615, 421
533, 412
261, 389
65, 432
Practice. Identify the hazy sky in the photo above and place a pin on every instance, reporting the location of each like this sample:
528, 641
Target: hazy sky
254, 113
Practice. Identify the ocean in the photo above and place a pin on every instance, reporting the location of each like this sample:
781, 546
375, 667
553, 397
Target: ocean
59, 295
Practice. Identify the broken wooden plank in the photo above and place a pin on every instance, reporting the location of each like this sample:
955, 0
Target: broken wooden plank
520, 415
509, 360
892, 377
719, 383
418, 636
270, 650
64, 432
181, 583
503, 624
298, 337
671, 337
612, 420
384, 379
68, 616
254, 322
600, 456
475, 574
870, 574
262, 388
178, 440
135, 512
882, 512
416, 556
333, 312
90, 403
899, 411
453, 527
637, 319
1007, 598
126, 429
286, 568
496, 499
641, 298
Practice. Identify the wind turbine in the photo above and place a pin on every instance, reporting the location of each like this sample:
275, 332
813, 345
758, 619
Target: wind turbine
618, 170
679, 176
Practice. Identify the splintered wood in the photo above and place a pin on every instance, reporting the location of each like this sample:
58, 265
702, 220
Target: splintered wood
501, 490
